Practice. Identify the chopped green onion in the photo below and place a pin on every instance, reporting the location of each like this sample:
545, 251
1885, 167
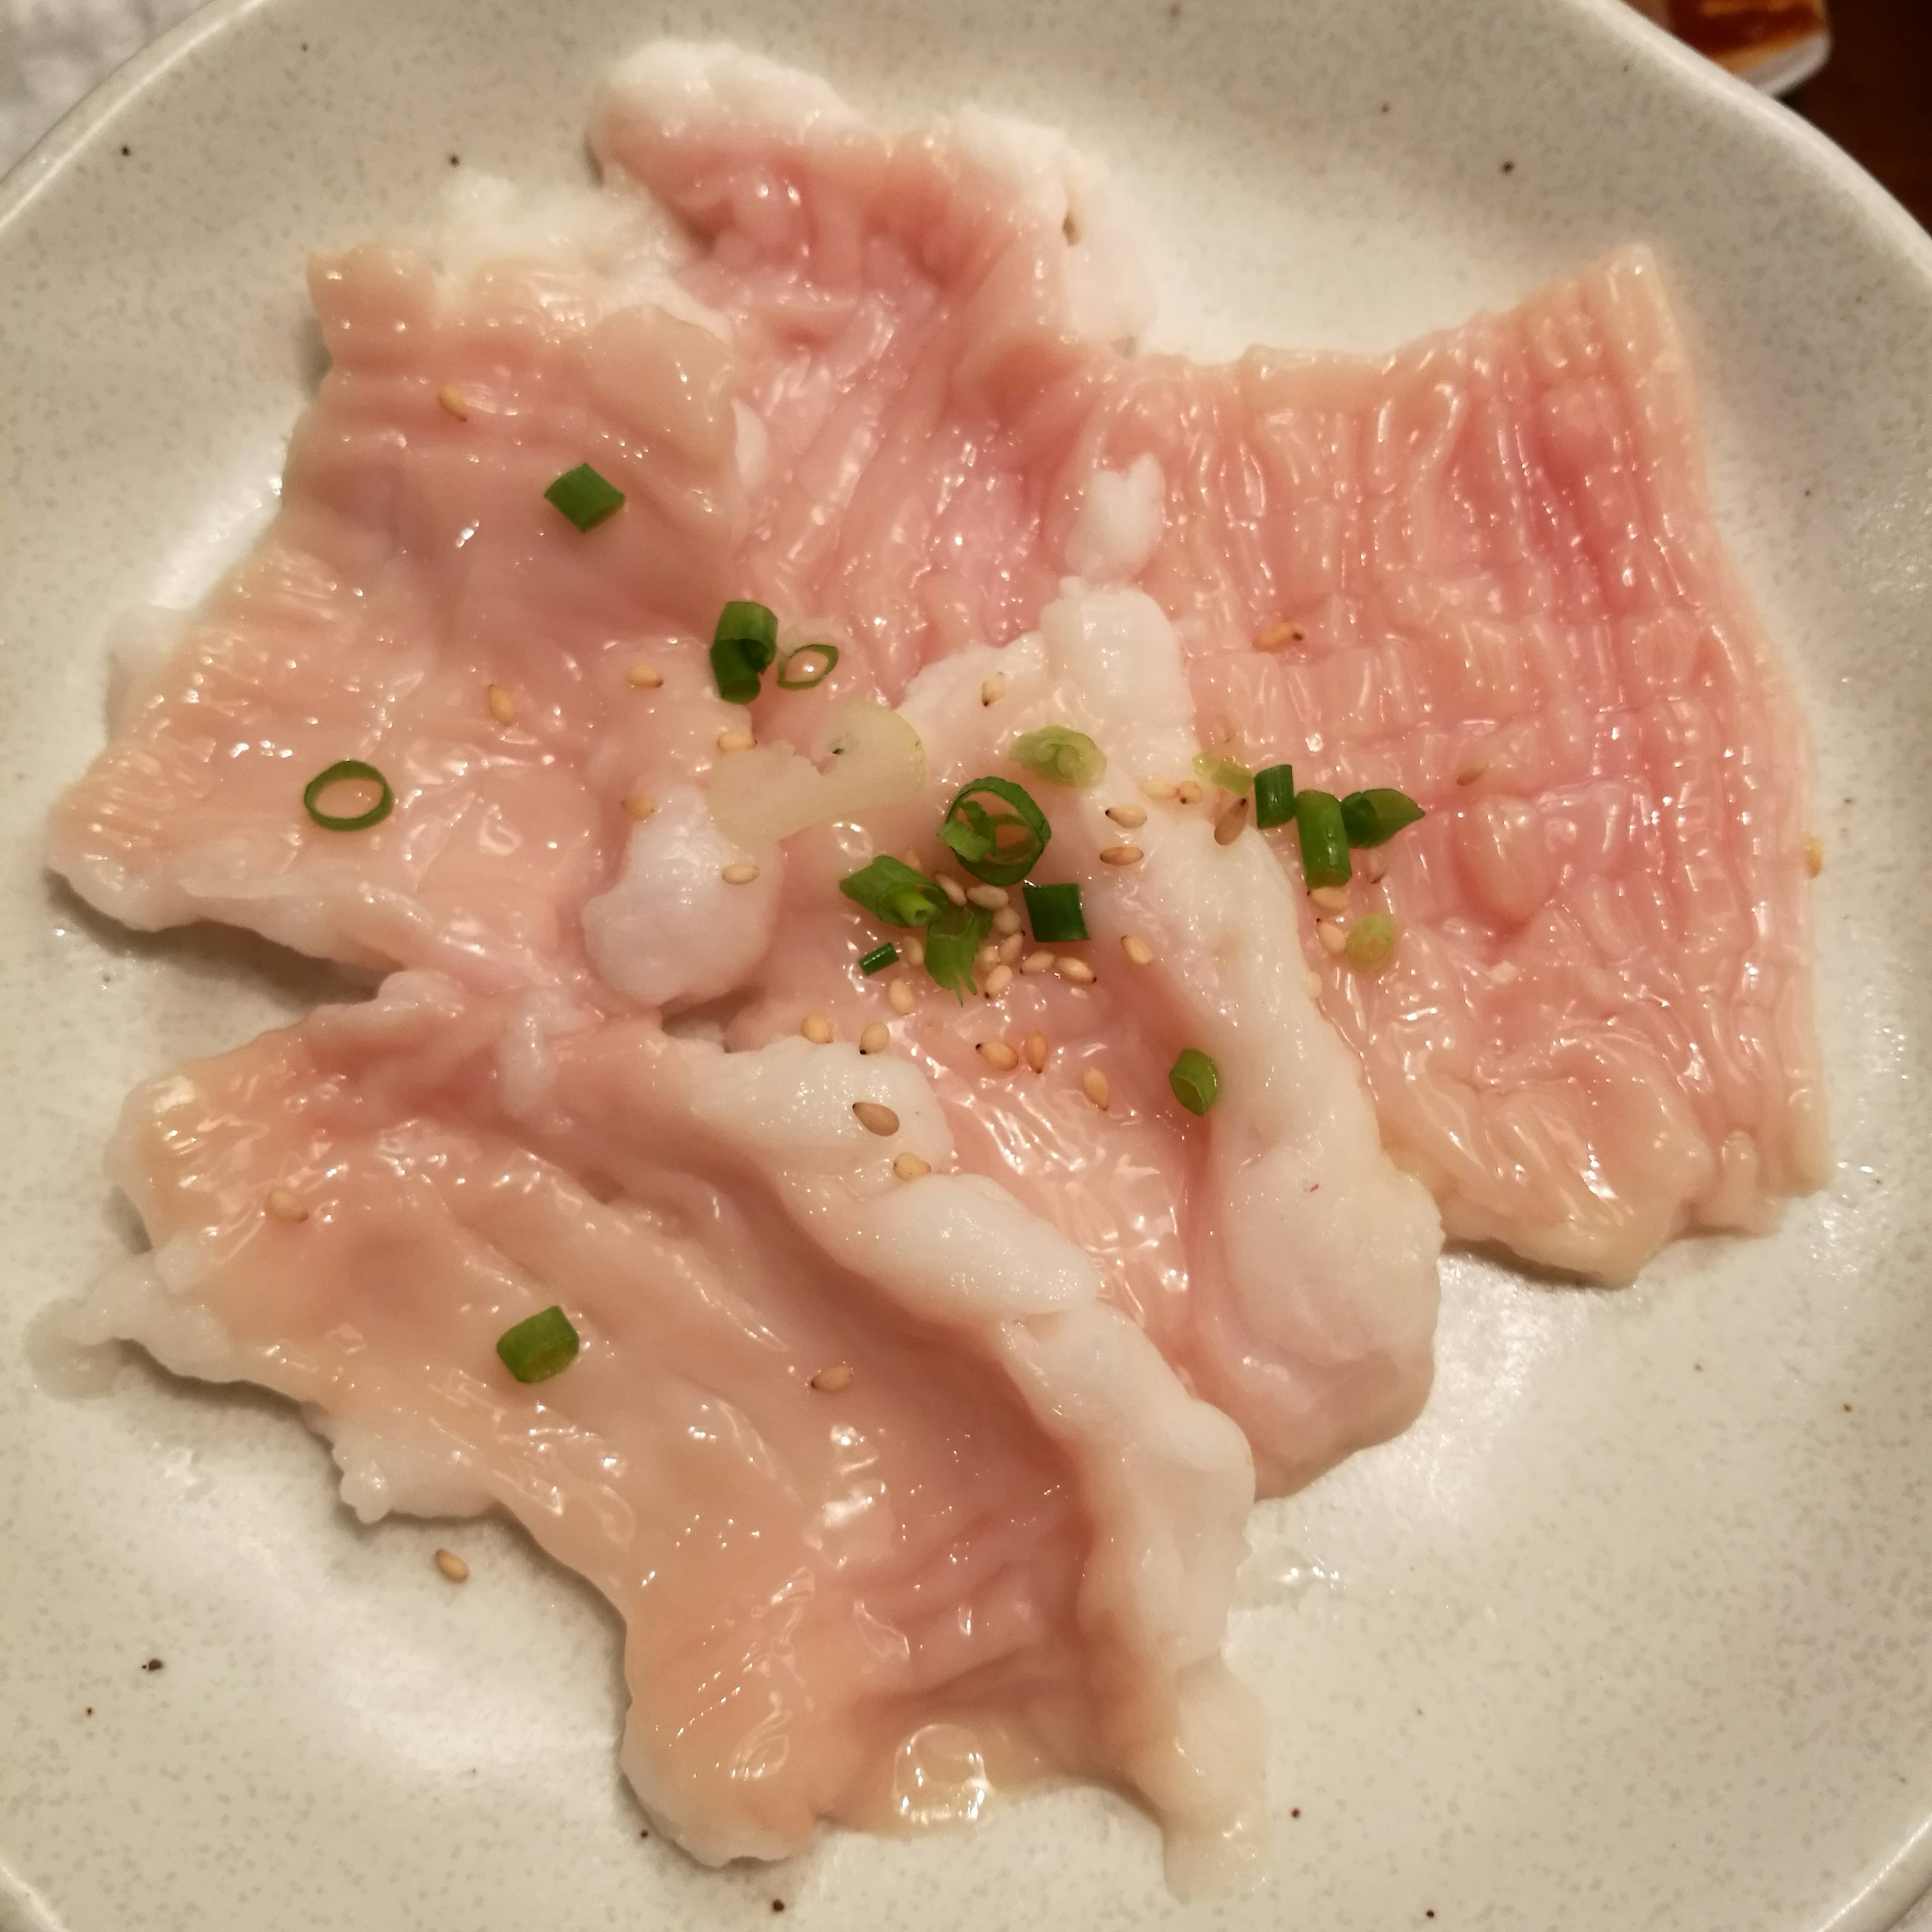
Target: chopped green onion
1196, 1080
891, 890
1371, 942
1274, 795
826, 656
879, 959
1373, 817
1054, 913
1217, 770
743, 645
1060, 756
952, 942
343, 772
539, 1347
984, 840
585, 497
1324, 843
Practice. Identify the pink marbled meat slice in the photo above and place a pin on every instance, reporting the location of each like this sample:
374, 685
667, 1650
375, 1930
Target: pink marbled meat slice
1493, 555
999, 1543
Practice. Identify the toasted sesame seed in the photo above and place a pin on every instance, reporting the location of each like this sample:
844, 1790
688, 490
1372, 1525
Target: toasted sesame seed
1132, 817
1329, 898
986, 959
503, 706
900, 994
910, 1167
951, 887
1188, 793
1313, 981
452, 1566
993, 689
910, 857
1159, 790
449, 400
817, 1028
644, 677
830, 1381
1137, 949
998, 1055
1011, 947
1374, 866
989, 898
1121, 855
1078, 970
998, 980
1273, 637
1093, 1085
1231, 823
1814, 856
876, 1037
1333, 938
640, 804
741, 872
284, 1205
1035, 1050
735, 741
914, 951
1038, 962
875, 1117
1470, 770
1006, 921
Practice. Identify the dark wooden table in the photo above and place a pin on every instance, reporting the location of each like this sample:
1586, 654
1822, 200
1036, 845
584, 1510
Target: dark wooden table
1874, 96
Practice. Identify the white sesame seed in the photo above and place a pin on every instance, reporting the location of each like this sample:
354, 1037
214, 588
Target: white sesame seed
910, 1167
1038, 962
1374, 866
640, 804
644, 677
1011, 947
1814, 856
1188, 793
1093, 1085
1329, 898
817, 1028
993, 689
830, 1381
1121, 855
284, 1205
1232, 823
910, 857
998, 1055
1159, 790
740, 873
449, 400
986, 959
1077, 971
503, 706
914, 952
876, 1037
452, 1566
1006, 921
1273, 637
1137, 949
1131, 818
1333, 938
998, 980
989, 898
875, 1117
900, 994
735, 741
1313, 981
1036, 1051
951, 887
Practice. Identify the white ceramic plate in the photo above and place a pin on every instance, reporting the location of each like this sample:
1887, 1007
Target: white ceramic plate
1634, 1629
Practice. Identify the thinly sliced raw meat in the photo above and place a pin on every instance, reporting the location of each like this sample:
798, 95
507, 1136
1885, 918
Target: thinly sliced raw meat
1004, 1546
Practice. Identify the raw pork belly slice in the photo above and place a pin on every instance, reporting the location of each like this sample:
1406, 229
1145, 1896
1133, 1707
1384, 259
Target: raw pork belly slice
1005, 1547
1492, 557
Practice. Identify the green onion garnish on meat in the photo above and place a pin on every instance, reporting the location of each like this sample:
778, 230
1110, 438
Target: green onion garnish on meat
1060, 756
1214, 769
1371, 942
742, 648
539, 1347
999, 847
1325, 840
1274, 796
585, 497
1373, 817
891, 890
1054, 913
1196, 1080
806, 665
879, 959
348, 771
952, 941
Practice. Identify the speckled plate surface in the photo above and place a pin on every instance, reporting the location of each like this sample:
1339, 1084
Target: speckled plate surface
1634, 1629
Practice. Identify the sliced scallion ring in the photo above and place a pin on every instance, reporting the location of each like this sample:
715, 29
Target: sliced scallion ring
1060, 756
1196, 1080
543, 1345
826, 656
998, 848
345, 771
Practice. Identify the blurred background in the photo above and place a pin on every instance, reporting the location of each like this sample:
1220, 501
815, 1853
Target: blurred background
1864, 75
